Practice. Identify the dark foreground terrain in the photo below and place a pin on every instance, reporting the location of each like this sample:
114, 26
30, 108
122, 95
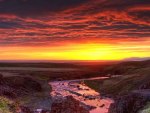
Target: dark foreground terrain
24, 87
25, 91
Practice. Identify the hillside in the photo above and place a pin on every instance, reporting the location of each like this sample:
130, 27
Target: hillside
129, 88
128, 67
133, 75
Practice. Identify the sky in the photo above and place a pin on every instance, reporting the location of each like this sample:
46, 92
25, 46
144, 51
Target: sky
74, 29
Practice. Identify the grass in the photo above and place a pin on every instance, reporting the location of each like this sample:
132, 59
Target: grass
120, 85
146, 109
4, 105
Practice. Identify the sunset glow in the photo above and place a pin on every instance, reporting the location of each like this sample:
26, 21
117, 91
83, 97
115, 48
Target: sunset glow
78, 51
74, 30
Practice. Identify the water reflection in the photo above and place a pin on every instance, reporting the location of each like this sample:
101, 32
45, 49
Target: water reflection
81, 92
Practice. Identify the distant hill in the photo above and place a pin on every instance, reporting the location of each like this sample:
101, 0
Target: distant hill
144, 63
42, 65
127, 67
136, 59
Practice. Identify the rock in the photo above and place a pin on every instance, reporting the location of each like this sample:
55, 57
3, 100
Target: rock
18, 86
102, 105
7, 91
24, 110
19, 109
68, 105
25, 83
145, 85
130, 103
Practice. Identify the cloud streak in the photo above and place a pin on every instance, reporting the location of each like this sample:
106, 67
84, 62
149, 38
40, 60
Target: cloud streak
53, 23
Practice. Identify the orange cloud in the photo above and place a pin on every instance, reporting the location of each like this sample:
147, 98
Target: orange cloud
93, 30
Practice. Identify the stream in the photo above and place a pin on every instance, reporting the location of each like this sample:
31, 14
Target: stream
81, 92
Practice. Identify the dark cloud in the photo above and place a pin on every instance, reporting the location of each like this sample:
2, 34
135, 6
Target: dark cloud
36, 7
36, 21
8, 25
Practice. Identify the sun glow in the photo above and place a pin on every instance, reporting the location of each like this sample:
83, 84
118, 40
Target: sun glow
77, 51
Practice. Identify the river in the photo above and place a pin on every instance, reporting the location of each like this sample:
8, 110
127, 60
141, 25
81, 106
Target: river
81, 92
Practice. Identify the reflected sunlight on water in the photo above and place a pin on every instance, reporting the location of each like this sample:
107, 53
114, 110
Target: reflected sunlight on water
80, 92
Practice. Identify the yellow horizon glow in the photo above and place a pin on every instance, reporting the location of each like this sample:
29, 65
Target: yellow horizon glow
77, 51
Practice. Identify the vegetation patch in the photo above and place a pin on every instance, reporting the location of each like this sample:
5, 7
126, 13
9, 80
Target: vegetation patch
119, 85
4, 105
146, 109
